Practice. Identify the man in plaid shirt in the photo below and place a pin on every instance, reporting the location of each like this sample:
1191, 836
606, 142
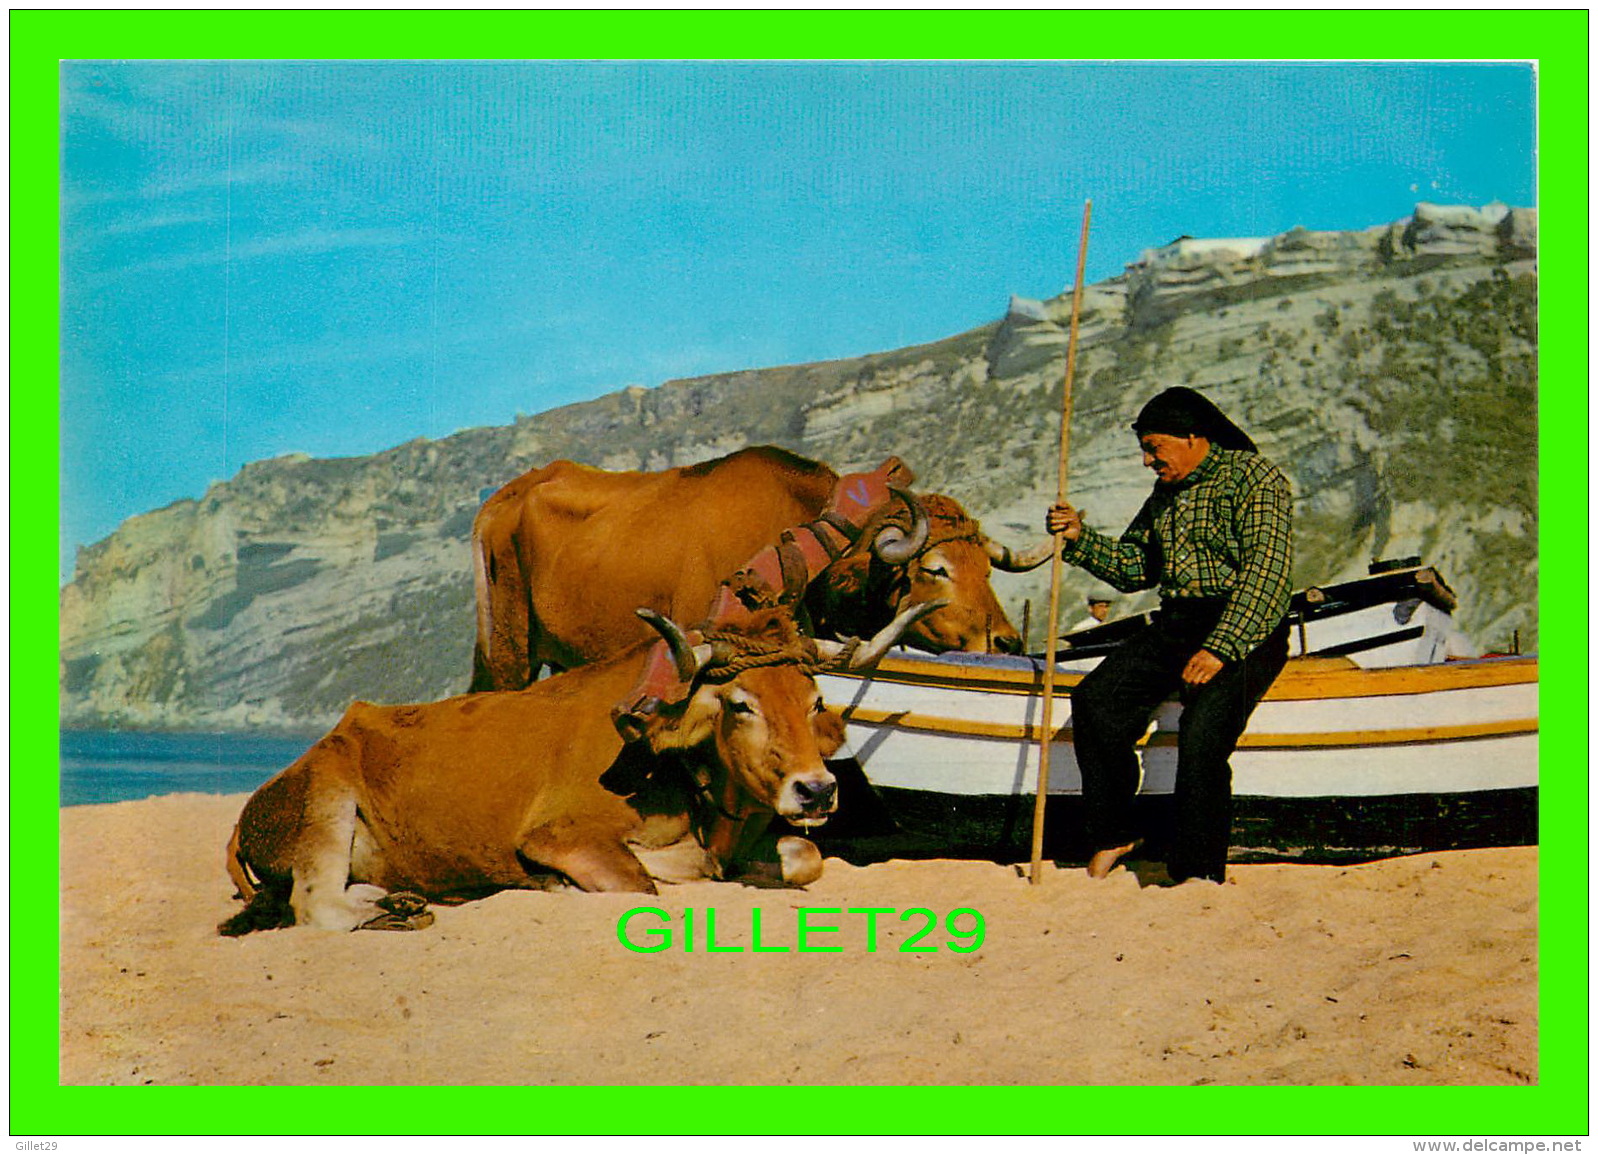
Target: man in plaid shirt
1215, 537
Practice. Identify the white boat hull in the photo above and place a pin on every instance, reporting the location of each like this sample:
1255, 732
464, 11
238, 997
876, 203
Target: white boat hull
967, 725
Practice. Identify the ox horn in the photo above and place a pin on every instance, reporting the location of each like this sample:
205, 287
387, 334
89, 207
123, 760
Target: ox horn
1020, 561
891, 545
860, 655
690, 658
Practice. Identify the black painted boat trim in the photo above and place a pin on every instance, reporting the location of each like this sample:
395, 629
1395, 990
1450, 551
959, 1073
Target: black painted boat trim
874, 824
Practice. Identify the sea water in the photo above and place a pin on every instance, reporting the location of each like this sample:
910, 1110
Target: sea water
118, 766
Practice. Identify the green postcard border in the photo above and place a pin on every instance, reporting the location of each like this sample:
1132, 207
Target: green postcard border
1558, 40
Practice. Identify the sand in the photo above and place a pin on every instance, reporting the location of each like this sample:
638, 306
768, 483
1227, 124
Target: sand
1410, 971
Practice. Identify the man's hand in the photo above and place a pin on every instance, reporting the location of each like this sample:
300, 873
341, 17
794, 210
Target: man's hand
1065, 520
1201, 667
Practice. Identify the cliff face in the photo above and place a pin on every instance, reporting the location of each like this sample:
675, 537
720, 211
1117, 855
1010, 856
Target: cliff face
1389, 372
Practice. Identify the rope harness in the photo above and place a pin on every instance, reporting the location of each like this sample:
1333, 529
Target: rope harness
746, 653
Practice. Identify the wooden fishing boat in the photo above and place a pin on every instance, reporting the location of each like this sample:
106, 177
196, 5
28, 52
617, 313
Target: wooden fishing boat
1371, 742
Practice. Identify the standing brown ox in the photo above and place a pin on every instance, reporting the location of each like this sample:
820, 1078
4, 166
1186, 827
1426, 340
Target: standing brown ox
531, 788
563, 554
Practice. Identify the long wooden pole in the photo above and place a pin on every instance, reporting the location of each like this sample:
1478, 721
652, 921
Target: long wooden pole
1051, 624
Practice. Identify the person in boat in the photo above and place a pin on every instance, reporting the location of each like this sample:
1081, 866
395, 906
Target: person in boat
1215, 537
1098, 613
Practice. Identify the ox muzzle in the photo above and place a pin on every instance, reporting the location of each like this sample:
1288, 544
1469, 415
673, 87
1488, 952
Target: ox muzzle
807, 799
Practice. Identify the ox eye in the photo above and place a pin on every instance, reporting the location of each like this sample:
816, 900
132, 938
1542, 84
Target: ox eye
737, 706
818, 707
936, 571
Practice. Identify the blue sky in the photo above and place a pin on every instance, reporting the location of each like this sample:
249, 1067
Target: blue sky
338, 257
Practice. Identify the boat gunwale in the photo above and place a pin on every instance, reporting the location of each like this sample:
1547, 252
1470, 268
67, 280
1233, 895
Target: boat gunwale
1292, 685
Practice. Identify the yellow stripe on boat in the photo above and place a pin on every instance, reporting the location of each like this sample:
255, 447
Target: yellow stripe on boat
910, 720
1303, 679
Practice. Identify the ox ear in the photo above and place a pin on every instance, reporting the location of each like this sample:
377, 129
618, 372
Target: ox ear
682, 724
632, 728
846, 577
639, 728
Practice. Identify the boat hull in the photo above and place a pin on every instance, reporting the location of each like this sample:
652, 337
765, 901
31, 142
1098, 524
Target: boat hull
1338, 762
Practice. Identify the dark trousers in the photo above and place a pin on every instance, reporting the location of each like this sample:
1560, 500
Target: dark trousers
1111, 708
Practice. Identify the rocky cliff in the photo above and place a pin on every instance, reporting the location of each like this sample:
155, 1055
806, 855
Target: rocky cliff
1390, 372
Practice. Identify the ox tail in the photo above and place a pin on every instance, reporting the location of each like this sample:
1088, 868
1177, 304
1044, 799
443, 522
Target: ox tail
236, 868
482, 679
264, 907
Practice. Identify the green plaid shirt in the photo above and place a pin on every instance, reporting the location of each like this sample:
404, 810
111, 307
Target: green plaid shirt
1225, 530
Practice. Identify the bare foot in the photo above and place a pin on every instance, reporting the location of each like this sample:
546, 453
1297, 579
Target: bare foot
1100, 865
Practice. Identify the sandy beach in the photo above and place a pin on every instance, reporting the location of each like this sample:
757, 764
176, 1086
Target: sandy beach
1411, 971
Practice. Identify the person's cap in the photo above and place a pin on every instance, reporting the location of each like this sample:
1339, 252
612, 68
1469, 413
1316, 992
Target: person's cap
1181, 412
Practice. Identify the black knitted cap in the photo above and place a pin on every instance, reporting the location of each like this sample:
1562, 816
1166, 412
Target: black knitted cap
1181, 412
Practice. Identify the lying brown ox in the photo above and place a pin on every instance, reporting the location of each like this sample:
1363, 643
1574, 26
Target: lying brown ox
503, 790
563, 555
